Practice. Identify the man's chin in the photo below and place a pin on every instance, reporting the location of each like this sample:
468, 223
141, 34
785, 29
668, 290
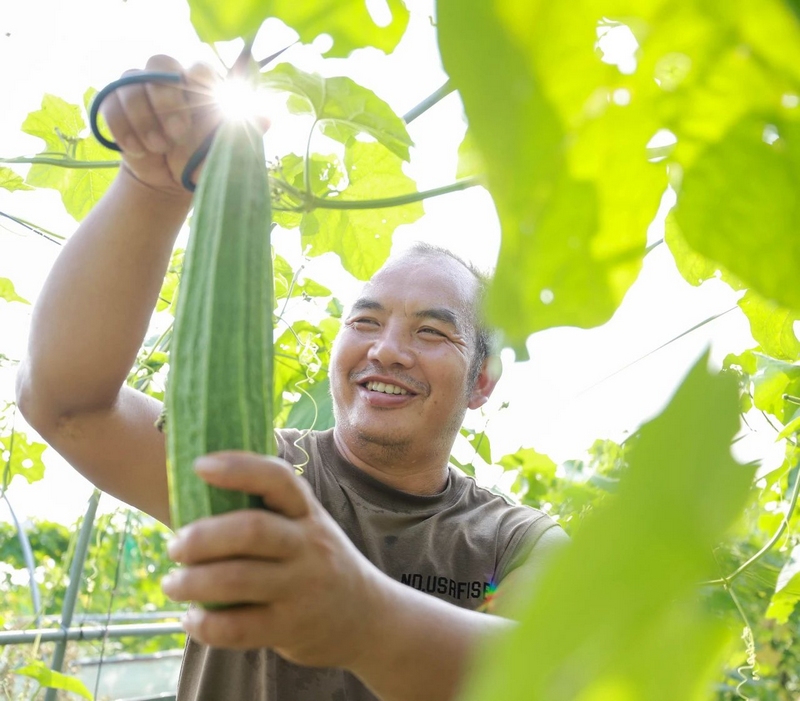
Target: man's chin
385, 439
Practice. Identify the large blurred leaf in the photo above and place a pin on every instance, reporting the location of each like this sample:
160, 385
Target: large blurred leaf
748, 223
565, 136
341, 106
223, 21
60, 124
617, 613
362, 238
348, 22
573, 239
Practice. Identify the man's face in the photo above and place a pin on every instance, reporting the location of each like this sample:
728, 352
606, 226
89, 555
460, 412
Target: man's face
400, 365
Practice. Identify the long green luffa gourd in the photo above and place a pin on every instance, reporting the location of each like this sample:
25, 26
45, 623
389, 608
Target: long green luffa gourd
219, 389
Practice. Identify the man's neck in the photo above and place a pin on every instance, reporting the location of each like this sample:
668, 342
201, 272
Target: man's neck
398, 468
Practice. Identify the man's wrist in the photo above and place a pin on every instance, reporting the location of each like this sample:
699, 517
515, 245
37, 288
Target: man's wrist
177, 202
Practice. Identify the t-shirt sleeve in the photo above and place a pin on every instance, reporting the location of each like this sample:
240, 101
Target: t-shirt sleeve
523, 545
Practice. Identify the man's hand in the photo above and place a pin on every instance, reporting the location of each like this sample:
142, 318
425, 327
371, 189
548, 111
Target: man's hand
308, 593
159, 125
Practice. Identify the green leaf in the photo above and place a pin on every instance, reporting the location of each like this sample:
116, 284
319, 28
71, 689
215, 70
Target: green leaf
470, 162
771, 326
746, 223
313, 410
694, 267
480, 443
223, 21
60, 125
286, 280
8, 293
55, 680
348, 22
80, 188
787, 589
21, 457
771, 381
624, 591
574, 203
362, 238
10, 181
342, 107
56, 123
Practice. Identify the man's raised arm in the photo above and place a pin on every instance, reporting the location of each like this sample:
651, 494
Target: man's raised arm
92, 314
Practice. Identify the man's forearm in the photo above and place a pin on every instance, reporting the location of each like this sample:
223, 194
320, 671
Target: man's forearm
93, 312
421, 647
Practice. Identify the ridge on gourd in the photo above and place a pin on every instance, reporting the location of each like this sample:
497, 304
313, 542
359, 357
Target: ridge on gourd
219, 389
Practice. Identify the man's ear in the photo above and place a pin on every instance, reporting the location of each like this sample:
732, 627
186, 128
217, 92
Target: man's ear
487, 379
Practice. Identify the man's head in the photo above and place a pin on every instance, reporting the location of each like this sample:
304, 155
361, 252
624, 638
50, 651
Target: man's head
412, 355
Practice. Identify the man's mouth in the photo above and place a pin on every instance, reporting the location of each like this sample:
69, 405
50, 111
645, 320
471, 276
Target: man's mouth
385, 388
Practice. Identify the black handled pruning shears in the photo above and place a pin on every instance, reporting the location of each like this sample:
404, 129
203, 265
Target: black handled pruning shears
238, 68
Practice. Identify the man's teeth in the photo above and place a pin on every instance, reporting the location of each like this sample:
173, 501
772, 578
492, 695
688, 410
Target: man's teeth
386, 389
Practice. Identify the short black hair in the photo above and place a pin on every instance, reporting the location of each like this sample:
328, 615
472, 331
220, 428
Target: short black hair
485, 336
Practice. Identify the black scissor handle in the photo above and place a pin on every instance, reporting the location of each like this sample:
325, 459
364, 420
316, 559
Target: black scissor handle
143, 77
165, 77
148, 77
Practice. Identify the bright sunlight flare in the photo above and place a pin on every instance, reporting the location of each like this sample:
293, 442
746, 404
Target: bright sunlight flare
239, 99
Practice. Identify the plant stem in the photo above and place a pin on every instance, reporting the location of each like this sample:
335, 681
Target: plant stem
35, 228
313, 202
429, 102
64, 162
775, 538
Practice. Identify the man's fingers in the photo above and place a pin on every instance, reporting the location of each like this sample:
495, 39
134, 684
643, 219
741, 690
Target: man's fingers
237, 628
141, 117
245, 533
168, 100
228, 582
272, 479
121, 129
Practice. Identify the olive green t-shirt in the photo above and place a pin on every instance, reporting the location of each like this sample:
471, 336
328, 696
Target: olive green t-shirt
456, 545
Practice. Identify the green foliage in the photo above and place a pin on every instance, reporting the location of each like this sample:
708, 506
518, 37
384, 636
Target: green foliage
560, 132
371, 170
8, 293
563, 136
11, 181
643, 552
46, 677
22, 457
343, 108
551, 165
61, 125
772, 326
347, 21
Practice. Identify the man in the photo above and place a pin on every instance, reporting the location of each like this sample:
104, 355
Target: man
363, 577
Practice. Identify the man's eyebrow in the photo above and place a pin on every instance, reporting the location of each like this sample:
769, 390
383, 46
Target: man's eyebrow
443, 314
365, 304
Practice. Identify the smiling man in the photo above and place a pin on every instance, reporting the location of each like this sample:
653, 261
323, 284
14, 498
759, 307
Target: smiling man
364, 577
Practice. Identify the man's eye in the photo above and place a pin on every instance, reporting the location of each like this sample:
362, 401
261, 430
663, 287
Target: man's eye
363, 322
431, 331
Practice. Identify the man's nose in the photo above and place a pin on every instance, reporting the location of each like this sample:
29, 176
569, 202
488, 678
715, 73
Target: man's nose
392, 347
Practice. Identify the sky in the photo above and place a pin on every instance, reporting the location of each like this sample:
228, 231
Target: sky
579, 385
